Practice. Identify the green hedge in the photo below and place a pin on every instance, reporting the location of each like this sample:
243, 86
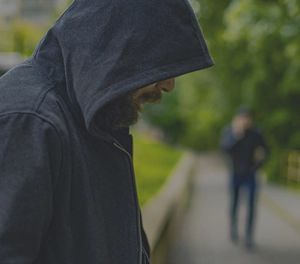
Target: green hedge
153, 163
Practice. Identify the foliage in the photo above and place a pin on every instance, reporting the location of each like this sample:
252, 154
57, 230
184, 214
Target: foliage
22, 37
153, 162
26, 35
23, 34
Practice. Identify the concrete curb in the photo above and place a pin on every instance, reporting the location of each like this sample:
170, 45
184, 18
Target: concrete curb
162, 208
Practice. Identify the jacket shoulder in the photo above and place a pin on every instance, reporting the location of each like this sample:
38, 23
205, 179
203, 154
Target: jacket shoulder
24, 90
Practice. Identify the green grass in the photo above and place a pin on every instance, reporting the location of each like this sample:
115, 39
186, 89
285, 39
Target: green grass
153, 163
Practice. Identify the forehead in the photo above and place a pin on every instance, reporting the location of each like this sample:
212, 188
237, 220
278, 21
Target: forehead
243, 116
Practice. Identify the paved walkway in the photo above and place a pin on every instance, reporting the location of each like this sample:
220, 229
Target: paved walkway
203, 237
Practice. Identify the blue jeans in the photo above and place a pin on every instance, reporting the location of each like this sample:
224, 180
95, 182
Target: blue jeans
245, 180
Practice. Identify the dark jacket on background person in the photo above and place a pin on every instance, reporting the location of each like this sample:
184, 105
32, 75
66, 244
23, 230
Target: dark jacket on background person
67, 189
241, 151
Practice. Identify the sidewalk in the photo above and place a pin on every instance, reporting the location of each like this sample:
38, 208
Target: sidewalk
203, 235
284, 203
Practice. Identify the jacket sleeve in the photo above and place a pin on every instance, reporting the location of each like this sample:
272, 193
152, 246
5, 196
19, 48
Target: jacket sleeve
30, 161
145, 243
264, 145
260, 152
228, 140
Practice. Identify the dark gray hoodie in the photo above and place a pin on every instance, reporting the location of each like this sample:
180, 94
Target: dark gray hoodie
67, 189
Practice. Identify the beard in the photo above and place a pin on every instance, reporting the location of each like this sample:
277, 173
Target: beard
125, 110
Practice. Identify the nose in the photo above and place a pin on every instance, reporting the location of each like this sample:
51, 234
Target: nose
167, 85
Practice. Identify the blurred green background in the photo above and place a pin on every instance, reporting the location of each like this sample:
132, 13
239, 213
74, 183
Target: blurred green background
255, 46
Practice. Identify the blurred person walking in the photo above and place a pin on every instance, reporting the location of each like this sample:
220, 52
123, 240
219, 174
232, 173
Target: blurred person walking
247, 152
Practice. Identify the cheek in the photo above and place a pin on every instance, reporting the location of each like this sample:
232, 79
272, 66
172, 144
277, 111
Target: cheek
147, 89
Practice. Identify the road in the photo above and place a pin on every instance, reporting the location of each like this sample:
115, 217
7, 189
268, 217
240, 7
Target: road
202, 237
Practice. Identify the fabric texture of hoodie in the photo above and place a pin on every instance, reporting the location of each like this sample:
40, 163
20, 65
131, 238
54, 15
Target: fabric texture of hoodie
67, 189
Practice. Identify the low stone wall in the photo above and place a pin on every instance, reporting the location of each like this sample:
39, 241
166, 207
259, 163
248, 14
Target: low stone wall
162, 212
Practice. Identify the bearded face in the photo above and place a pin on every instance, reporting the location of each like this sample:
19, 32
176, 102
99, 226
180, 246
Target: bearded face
125, 111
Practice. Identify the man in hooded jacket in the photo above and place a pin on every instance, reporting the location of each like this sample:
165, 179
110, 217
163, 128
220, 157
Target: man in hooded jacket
67, 188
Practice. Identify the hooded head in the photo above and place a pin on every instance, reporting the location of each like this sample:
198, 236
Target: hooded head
243, 118
102, 49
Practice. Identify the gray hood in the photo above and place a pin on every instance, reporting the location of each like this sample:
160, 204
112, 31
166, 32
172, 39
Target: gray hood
102, 49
